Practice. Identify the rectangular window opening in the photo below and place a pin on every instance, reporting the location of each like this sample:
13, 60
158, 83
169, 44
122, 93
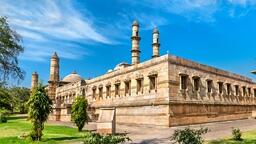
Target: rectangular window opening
140, 85
100, 92
117, 89
228, 88
127, 87
237, 90
108, 91
220, 87
249, 91
196, 83
244, 91
94, 93
183, 83
209, 86
152, 82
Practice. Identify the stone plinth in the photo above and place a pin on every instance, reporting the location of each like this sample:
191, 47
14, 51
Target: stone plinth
254, 114
107, 121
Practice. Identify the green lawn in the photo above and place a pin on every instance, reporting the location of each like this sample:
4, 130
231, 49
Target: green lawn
16, 126
248, 138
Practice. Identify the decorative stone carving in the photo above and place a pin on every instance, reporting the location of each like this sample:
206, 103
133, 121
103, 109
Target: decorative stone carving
127, 79
117, 81
100, 86
152, 73
108, 83
139, 76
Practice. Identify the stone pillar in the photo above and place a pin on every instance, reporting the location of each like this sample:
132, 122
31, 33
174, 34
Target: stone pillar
135, 43
54, 76
34, 80
155, 43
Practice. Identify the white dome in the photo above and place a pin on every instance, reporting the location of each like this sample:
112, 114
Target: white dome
121, 65
73, 77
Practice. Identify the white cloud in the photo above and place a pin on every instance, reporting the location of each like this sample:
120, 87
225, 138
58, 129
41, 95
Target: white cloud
243, 2
45, 21
197, 10
40, 52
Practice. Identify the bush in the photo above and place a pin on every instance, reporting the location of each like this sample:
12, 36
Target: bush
236, 134
189, 136
79, 112
3, 118
94, 138
3, 115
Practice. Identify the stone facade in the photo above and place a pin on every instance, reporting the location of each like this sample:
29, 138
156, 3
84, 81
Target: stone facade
165, 90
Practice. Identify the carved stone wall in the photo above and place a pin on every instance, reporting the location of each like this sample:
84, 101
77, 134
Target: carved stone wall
151, 93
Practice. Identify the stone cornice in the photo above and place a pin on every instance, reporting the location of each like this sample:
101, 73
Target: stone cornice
205, 68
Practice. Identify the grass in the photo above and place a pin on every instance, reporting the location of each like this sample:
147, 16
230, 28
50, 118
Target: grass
248, 138
53, 134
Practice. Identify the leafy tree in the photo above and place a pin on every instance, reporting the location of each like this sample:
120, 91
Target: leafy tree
79, 112
20, 96
189, 136
10, 49
6, 101
40, 107
3, 115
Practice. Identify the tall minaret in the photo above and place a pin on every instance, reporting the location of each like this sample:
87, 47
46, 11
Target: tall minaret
54, 68
135, 43
54, 76
155, 43
34, 80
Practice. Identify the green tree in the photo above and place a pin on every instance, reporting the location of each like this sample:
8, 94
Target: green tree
20, 96
79, 112
10, 49
40, 107
6, 101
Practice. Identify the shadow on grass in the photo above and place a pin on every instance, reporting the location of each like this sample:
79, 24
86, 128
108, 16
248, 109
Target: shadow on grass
62, 138
17, 117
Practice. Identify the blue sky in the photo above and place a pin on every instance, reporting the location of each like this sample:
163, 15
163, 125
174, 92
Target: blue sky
92, 36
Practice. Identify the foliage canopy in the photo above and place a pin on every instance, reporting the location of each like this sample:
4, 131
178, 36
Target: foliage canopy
79, 113
40, 107
189, 136
10, 48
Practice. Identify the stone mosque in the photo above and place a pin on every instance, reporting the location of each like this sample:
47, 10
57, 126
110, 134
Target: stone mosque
165, 90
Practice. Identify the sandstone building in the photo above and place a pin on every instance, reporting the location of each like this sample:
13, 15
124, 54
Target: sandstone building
165, 90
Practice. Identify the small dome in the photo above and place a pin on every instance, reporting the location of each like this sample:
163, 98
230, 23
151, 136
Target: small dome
110, 70
155, 30
73, 77
121, 65
135, 23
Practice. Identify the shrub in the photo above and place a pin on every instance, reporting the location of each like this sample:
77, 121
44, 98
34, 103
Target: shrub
3, 118
236, 134
94, 138
40, 107
189, 136
3, 115
79, 112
